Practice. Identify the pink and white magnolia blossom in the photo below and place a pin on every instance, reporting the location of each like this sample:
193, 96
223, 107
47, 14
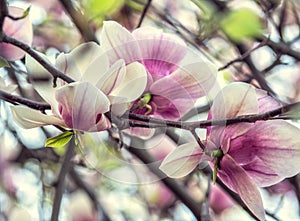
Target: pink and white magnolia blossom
246, 155
20, 29
176, 76
99, 88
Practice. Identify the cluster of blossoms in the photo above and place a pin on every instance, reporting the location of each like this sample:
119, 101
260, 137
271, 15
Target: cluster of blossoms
151, 73
144, 71
244, 155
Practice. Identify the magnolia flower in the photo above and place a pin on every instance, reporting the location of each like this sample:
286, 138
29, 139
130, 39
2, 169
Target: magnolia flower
81, 105
20, 29
176, 76
246, 155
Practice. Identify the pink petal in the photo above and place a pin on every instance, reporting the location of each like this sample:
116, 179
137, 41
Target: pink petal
185, 85
161, 52
119, 43
20, 29
269, 151
265, 102
228, 133
235, 177
233, 100
112, 77
143, 133
82, 106
192, 81
169, 109
183, 160
133, 84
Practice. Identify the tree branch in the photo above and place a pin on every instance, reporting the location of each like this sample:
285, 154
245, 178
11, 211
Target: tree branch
3, 14
21, 100
49, 67
65, 168
257, 75
243, 56
280, 47
144, 13
90, 192
80, 21
172, 184
156, 122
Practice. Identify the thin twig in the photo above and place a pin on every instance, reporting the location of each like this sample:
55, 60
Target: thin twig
136, 120
276, 63
198, 139
49, 67
3, 13
80, 21
257, 75
174, 186
103, 216
21, 100
282, 18
144, 13
217, 122
243, 56
280, 47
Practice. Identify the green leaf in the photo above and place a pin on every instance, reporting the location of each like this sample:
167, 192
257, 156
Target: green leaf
101, 8
60, 140
3, 62
241, 24
26, 12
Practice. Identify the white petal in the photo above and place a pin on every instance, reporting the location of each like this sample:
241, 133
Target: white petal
29, 118
181, 161
134, 82
119, 43
81, 105
96, 69
191, 81
119, 108
79, 59
112, 77
234, 100
67, 65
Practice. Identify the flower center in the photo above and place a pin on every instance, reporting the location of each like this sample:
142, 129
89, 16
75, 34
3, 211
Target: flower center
143, 106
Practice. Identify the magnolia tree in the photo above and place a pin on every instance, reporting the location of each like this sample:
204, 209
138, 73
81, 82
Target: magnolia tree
149, 110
